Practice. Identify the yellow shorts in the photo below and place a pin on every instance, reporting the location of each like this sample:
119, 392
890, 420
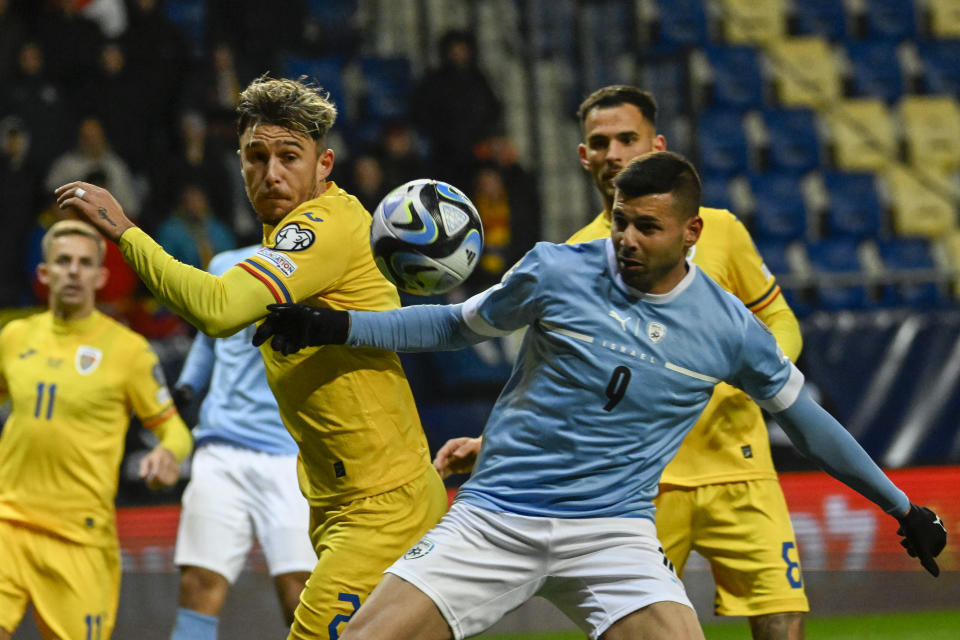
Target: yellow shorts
743, 529
74, 587
355, 543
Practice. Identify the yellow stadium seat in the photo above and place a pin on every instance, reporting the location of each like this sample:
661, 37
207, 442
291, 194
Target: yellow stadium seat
805, 72
944, 18
757, 22
922, 201
862, 134
931, 129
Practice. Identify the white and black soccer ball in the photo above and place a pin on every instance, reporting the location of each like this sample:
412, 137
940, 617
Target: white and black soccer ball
426, 237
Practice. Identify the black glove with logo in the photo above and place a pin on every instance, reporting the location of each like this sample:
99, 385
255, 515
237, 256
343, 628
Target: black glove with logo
295, 326
924, 536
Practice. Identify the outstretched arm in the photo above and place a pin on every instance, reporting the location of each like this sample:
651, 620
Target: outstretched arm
816, 434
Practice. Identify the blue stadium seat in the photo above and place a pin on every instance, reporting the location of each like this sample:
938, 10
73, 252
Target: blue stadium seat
738, 81
837, 256
716, 192
779, 212
825, 18
190, 16
722, 142
941, 72
875, 70
388, 82
888, 19
854, 208
333, 11
793, 143
905, 254
681, 24
601, 56
327, 72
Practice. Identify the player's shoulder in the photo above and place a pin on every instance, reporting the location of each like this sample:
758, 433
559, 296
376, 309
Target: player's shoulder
551, 254
17, 327
723, 217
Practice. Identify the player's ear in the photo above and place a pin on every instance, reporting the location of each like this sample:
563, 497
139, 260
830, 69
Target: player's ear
324, 165
582, 152
659, 143
43, 276
691, 231
102, 278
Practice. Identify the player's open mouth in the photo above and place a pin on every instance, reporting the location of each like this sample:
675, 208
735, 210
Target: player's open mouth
629, 264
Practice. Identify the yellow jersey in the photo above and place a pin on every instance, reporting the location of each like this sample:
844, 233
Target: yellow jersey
72, 386
729, 442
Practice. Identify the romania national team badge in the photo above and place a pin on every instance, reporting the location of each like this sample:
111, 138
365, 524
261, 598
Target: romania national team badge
419, 550
656, 331
88, 359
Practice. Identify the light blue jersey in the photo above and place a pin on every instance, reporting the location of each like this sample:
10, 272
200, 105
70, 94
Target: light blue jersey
239, 408
609, 381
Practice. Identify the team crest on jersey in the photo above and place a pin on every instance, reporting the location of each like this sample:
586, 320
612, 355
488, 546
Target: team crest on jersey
293, 237
419, 550
279, 260
87, 360
656, 332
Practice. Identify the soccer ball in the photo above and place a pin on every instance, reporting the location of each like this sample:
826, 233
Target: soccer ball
426, 237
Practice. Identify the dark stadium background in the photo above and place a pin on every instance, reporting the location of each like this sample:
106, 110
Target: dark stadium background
831, 128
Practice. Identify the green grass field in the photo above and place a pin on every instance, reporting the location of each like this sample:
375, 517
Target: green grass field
927, 625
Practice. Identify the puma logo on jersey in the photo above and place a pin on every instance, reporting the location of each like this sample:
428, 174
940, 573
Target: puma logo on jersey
623, 321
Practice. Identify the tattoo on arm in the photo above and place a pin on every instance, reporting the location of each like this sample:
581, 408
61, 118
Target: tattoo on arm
103, 215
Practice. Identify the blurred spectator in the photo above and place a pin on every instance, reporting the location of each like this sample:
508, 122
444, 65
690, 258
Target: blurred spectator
93, 154
12, 34
454, 106
214, 86
70, 41
19, 182
114, 94
521, 185
400, 158
257, 31
110, 15
201, 160
365, 180
192, 234
39, 101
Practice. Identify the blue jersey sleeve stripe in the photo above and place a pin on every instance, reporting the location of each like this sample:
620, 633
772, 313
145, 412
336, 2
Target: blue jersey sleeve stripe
280, 286
766, 294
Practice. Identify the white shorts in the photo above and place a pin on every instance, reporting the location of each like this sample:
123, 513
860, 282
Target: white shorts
477, 565
235, 494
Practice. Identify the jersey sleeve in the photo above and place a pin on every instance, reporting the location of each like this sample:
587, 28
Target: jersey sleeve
309, 251
763, 371
752, 281
147, 389
198, 367
509, 305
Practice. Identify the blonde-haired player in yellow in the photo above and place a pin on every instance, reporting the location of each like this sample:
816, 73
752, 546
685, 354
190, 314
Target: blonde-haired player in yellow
364, 463
720, 495
73, 375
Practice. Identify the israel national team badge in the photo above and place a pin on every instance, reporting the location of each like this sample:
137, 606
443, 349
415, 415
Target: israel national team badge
656, 332
419, 550
293, 237
88, 359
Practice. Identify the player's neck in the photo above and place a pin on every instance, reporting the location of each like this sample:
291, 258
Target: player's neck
70, 313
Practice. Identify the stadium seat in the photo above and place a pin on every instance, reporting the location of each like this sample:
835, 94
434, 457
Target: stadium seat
939, 68
792, 141
912, 255
190, 16
326, 72
834, 256
862, 134
779, 213
853, 205
736, 79
722, 142
673, 25
921, 202
753, 22
602, 58
805, 71
387, 84
931, 128
885, 19
824, 18
716, 192
875, 70
944, 18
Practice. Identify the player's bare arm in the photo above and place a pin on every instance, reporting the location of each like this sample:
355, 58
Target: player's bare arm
96, 205
457, 455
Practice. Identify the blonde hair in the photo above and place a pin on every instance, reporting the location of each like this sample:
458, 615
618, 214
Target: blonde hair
297, 105
73, 228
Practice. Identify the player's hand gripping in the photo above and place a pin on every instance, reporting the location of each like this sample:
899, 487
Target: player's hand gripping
160, 468
924, 536
295, 326
457, 455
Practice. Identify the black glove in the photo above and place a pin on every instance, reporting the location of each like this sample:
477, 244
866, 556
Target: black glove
924, 536
295, 326
183, 397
